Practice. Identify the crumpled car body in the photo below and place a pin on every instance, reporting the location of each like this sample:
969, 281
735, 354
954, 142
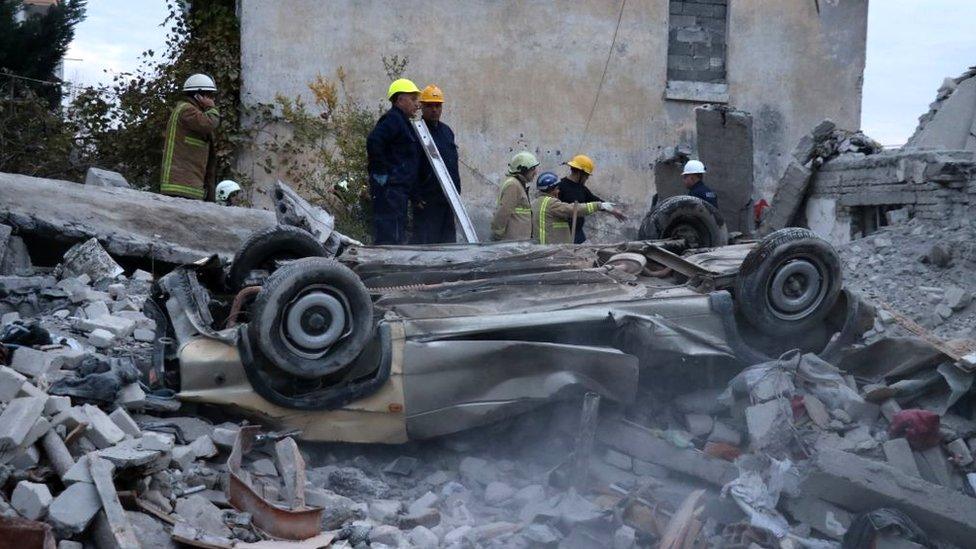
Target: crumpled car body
467, 335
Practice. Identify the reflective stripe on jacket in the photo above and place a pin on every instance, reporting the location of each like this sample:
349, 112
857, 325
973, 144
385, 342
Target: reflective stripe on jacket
513, 214
189, 164
552, 219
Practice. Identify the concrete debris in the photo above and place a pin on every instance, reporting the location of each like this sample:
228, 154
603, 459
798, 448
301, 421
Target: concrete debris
31, 499
98, 177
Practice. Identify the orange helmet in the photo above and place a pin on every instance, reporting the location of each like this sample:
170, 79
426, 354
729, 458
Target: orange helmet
432, 94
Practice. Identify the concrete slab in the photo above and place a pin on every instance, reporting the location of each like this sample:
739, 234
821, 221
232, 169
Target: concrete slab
899, 454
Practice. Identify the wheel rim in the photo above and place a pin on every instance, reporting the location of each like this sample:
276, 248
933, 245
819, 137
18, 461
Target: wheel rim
797, 289
314, 321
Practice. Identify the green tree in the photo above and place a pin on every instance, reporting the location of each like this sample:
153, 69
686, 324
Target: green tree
34, 47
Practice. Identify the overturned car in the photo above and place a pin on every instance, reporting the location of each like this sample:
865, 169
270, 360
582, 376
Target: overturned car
358, 343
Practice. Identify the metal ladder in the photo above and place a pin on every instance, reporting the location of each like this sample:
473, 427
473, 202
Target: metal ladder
447, 184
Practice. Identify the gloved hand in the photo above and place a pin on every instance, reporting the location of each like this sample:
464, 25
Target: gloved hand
380, 179
607, 206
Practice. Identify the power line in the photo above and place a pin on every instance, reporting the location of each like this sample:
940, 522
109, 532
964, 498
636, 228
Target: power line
599, 89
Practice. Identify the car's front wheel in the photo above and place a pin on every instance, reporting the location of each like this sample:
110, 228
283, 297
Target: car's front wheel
788, 282
699, 223
312, 317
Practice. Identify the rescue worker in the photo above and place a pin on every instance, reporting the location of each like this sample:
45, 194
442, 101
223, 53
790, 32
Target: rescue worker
393, 161
189, 166
513, 214
572, 188
693, 178
553, 219
433, 217
229, 193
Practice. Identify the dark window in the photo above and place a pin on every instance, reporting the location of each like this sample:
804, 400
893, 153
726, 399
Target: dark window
696, 40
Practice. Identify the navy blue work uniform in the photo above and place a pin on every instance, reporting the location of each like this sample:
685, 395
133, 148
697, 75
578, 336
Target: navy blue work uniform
701, 190
393, 155
571, 191
433, 218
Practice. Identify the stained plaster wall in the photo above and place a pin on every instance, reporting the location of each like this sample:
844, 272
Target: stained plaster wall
526, 75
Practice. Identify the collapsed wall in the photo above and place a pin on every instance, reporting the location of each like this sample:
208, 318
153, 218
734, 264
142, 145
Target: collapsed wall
128, 222
853, 195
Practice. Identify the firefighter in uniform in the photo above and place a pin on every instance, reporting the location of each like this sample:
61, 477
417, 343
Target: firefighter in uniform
553, 219
513, 214
189, 167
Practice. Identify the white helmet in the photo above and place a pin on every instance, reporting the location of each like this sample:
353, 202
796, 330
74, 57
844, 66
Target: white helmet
199, 82
226, 188
693, 167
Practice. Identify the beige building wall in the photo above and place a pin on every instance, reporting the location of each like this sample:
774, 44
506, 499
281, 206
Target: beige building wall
527, 75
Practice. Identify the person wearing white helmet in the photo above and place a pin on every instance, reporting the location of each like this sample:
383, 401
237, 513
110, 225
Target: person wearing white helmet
189, 168
228, 193
693, 177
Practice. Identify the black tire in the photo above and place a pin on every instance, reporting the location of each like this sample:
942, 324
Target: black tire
688, 217
295, 320
262, 249
788, 282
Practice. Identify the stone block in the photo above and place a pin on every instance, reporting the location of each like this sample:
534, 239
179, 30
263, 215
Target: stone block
124, 421
934, 466
790, 193
97, 309
79, 472
859, 484
9, 318
144, 335
56, 404
98, 177
826, 518
17, 421
102, 431
131, 396
73, 510
118, 326
899, 454
34, 363
183, 457
10, 383
204, 447
960, 452
768, 423
101, 339
31, 499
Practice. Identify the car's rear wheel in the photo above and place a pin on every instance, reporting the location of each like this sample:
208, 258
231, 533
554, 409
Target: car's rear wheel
788, 282
263, 249
697, 222
312, 318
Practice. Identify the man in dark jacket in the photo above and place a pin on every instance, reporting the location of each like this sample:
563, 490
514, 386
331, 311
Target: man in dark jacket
693, 177
433, 218
573, 189
393, 155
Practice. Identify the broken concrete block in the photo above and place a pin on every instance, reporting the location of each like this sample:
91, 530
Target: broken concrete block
97, 309
823, 517
224, 437
144, 335
183, 457
934, 466
423, 502
478, 470
859, 484
768, 423
124, 421
384, 511
16, 259
889, 408
625, 538
56, 404
30, 390
790, 193
73, 510
203, 515
89, 258
31, 499
102, 431
9, 318
291, 465
203, 447
98, 177
899, 455
817, 411
71, 418
34, 363
79, 472
131, 396
10, 383
497, 492
957, 298
17, 421
127, 455
421, 536
26, 458
142, 276
116, 325
960, 452
402, 466
264, 467
101, 339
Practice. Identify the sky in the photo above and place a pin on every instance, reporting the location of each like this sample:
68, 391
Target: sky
912, 46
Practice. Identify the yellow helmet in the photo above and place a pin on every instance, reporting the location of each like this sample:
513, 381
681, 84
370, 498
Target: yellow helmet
582, 162
432, 94
401, 85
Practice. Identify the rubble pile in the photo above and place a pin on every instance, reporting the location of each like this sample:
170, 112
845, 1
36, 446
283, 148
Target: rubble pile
923, 270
